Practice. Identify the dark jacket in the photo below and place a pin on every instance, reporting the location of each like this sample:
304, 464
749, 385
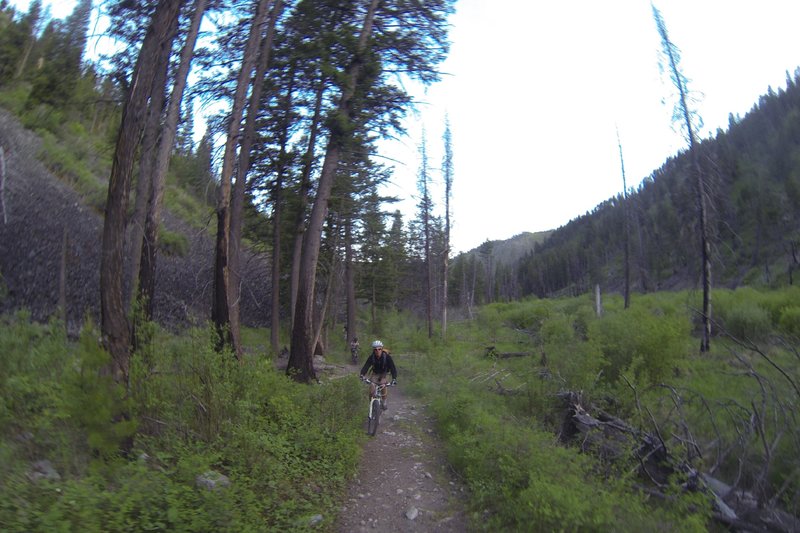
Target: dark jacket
380, 365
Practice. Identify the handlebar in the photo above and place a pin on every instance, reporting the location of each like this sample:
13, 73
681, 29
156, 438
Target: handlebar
390, 384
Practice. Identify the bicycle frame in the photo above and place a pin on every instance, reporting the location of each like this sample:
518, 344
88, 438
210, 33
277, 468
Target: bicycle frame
374, 413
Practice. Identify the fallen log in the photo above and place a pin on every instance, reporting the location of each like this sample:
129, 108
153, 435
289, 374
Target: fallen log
491, 351
613, 439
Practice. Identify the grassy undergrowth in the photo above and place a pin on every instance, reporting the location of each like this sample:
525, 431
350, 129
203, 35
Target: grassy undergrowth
286, 449
501, 417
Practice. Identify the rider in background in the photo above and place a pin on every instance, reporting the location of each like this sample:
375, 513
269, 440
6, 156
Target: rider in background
379, 363
354, 346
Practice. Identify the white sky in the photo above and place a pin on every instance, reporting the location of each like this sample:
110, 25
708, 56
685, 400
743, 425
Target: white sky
534, 90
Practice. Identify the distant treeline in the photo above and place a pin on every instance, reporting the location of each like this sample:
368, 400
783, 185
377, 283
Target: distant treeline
753, 177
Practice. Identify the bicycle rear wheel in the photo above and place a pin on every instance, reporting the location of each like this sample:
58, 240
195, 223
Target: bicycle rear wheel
372, 422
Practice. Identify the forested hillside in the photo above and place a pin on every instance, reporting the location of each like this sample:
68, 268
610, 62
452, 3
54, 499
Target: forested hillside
753, 182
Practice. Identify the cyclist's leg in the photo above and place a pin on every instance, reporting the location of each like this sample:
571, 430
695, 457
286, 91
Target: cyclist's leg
381, 378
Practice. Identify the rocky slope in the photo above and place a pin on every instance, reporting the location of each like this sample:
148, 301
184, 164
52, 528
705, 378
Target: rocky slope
41, 211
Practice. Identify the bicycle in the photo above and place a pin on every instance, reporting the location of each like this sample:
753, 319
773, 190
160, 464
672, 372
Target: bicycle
375, 406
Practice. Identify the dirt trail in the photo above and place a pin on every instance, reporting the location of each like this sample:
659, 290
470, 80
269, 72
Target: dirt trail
404, 482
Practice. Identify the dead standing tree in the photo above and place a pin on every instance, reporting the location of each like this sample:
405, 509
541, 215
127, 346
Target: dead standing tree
683, 113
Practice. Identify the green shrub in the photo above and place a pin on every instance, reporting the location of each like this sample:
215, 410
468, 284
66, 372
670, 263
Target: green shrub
636, 333
14, 98
750, 322
288, 449
172, 243
64, 162
789, 321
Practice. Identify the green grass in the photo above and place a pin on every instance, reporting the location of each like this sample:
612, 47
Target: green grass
287, 449
640, 364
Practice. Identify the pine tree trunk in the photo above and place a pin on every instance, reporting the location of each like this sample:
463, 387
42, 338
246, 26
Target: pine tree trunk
147, 164
305, 185
221, 315
3, 185
114, 322
62, 279
277, 223
243, 168
300, 365
349, 278
626, 229
149, 244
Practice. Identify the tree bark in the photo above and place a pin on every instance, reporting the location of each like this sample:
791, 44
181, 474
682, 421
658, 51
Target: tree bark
277, 222
3, 185
147, 165
448, 185
626, 230
305, 185
62, 279
149, 244
705, 246
243, 168
114, 322
227, 330
349, 281
300, 365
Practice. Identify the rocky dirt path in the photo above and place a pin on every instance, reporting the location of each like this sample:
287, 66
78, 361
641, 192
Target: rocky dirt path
404, 482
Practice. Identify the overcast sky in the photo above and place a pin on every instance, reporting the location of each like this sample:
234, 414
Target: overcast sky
536, 89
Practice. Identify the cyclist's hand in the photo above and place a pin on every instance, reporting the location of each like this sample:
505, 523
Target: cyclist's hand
394, 382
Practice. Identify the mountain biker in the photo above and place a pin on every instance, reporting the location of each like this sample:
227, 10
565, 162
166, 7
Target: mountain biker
354, 346
380, 363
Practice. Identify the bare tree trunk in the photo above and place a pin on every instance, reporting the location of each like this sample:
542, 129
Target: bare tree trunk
349, 281
626, 229
243, 168
3, 185
705, 247
274, 336
227, 330
448, 185
598, 302
149, 243
642, 262
62, 279
705, 343
305, 185
277, 210
319, 322
147, 164
114, 322
300, 365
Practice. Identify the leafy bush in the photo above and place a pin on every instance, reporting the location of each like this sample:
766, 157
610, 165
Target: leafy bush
789, 321
658, 342
750, 322
172, 243
64, 162
520, 479
15, 97
287, 448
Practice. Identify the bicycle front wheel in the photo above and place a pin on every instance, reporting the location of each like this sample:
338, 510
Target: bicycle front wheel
374, 418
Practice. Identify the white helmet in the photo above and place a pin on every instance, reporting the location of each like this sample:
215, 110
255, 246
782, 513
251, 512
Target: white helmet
377, 344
